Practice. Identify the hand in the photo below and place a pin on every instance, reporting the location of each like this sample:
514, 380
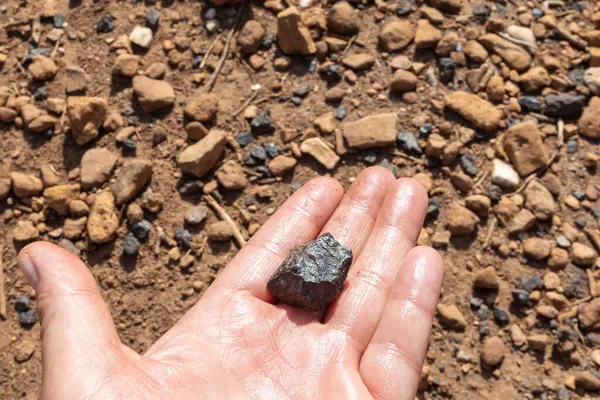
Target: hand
237, 342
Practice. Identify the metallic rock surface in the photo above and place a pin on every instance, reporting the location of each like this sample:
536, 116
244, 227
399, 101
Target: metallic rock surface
312, 275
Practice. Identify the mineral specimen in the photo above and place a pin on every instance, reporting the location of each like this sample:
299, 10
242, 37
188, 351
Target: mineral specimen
313, 275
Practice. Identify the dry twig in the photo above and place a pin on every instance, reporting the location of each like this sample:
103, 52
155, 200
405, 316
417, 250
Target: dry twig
27, 21
208, 51
243, 107
490, 233
237, 234
213, 78
349, 44
550, 22
2, 288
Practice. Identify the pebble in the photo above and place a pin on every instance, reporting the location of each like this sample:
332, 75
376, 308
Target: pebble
583, 255
407, 141
524, 146
103, 221
504, 175
395, 35
153, 94
86, 116
318, 149
141, 36
152, 18
373, 131
183, 238
105, 24
451, 316
493, 352
536, 248
141, 230
131, 179
563, 105
196, 215
131, 246
481, 113
28, 318
461, 221
201, 157
293, 36
487, 279
263, 123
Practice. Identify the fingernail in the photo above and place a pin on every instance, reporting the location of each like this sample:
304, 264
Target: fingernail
29, 269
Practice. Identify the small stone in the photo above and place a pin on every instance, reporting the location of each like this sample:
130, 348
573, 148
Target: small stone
134, 213
559, 258
313, 275
131, 246
25, 231
131, 178
183, 237
547, 311
202, 108
58, 197
583, 255
156, 70
202, 156
504, 175
317, 148
196, 215
403, 81
28, 318
126, 65
293, 36
26, 185
493, 352
451, 316
152, 18
479, 204
538, 342
589, 123
42, 68
482, 114
461, 221
373, 131
539, 200
97, 166
231, 176
219, 231
105, 24
359, 62
280, 165
564, 105
263, 123
536, 248
141, 36
487, 279
103, 221
343, 18
326, 123
551, 281
86, 115
141, 229
250, 37
76, 80
535, 79
427, 36
514, 55
153, 94
396, 34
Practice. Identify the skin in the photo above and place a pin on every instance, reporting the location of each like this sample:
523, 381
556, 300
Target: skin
237, 341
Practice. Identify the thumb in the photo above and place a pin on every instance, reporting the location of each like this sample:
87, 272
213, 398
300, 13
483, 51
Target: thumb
76, 325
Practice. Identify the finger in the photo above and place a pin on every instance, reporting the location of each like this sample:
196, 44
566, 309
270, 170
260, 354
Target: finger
391, 365
358, 309
76, 325
298, 220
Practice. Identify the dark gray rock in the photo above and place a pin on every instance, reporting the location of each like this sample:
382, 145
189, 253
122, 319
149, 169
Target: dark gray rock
313, 275
447, 69
407, 141
340, 113
529, 283
564, 105
520, 298
131, 246
262, 123
152, 18
530, 103
183, 238
244, 138
467, 162
22, 303
28, 317
141, 230
500, 316
105, 24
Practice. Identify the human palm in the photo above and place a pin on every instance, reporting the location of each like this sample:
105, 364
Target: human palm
237, 341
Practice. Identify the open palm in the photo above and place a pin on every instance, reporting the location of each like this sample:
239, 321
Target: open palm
237, 342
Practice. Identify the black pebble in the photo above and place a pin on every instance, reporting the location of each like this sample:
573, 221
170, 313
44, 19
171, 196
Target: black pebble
407, 141
244, 138
467, 162
28, 317
141, 230
105, 25
22, 303
263, 123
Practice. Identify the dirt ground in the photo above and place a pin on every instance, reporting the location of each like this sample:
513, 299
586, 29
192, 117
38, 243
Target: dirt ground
543, 225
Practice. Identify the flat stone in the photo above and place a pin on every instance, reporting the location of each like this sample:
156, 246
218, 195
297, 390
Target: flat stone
524, 146
153, 94
373, 131
564, 105
131, 178
481, 113
280, 165
514, 55
318, 149
523, 221
202, 156
76, 80
25, 231
97, 166
313, 275
359, 62
451, 317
